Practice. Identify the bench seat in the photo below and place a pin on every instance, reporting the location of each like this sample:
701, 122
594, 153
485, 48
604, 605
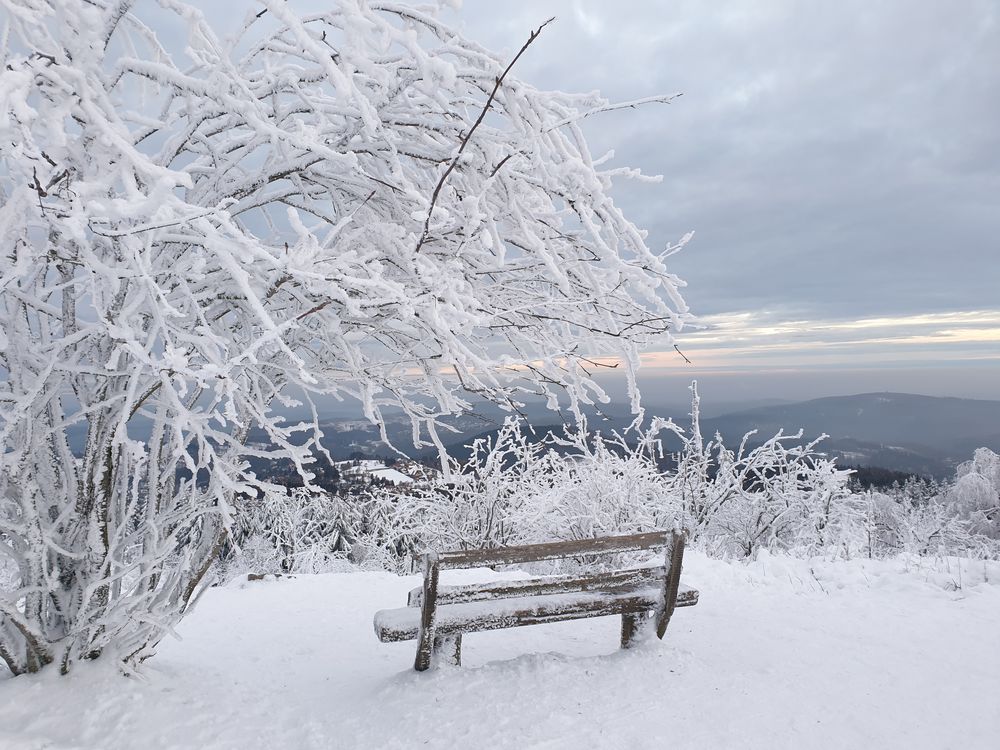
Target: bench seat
403, 624
618, 581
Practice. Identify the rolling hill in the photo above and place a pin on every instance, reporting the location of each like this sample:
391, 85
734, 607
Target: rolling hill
906, 432
924, 435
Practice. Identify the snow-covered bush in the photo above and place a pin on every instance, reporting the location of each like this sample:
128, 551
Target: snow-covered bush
476, 505
602, 485
482, 505
935, 529
358, 203
887, 524
925, 518
905, 520
975, 495
304, 531
780, 494
390, 530
521, 488
518, 488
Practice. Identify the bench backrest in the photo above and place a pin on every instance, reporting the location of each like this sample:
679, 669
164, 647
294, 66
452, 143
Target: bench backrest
487, 558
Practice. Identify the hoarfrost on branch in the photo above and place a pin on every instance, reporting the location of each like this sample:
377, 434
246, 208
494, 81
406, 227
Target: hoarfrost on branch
358, 203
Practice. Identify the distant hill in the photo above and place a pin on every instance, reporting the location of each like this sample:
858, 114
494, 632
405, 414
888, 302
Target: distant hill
900, 431
925, 435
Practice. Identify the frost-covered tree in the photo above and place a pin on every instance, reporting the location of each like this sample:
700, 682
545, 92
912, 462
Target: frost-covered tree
358, 203
975, 495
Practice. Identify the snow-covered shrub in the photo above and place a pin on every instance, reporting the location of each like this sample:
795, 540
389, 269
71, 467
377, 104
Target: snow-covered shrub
786, 496
908, 520
520, 489
935, 529
483, 504
975, 495
299, 532
475, 506
887, 524
926, 518
775, 496
516, 488
601, 486
391, 530
780, 494
357, 203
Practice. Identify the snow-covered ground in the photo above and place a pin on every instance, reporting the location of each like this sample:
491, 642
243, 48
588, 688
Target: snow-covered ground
377, 469
778, 654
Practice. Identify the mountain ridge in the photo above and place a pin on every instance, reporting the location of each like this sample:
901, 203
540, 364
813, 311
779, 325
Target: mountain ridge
906, 432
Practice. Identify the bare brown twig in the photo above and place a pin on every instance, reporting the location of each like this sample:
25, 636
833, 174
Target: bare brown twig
465, 140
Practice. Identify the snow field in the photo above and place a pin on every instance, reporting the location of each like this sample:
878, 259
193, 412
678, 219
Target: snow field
779, 653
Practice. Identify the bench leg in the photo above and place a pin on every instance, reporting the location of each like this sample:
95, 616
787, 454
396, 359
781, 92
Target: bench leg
426, 642
448, 649
632, 626
675, 557
423, 661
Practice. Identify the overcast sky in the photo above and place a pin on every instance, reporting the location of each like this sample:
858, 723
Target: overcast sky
838, 162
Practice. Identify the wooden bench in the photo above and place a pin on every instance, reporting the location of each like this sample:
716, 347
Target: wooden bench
437, 616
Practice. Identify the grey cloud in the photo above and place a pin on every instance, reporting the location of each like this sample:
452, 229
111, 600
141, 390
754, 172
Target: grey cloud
831, 157
836, 160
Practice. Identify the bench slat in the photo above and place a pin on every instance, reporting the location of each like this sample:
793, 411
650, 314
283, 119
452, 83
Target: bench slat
608, 582
403, 624
487, 558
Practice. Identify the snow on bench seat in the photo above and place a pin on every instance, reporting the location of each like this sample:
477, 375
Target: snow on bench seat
403, 624
618, 581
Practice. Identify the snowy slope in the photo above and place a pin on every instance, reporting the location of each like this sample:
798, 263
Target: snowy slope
778, 654
391, 475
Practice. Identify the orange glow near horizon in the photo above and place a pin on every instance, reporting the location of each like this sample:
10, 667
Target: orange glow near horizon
756, 341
